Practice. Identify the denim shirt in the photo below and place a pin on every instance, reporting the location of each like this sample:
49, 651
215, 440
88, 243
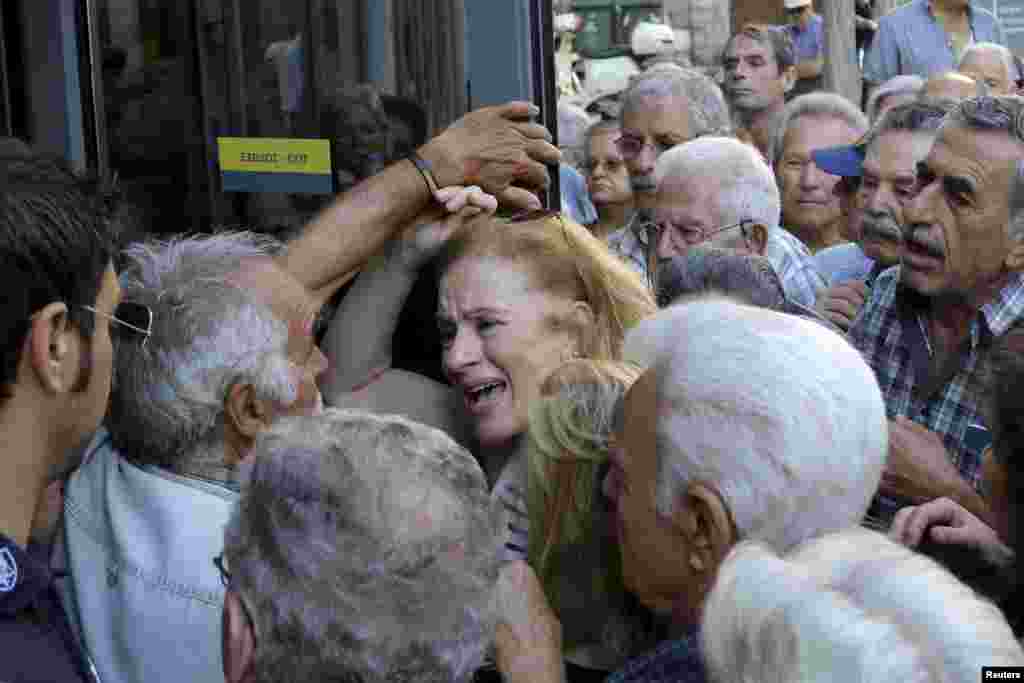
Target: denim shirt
143, 591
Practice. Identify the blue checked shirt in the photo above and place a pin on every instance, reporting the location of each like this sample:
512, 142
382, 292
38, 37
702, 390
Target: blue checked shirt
801, 280
891, 332
674, 661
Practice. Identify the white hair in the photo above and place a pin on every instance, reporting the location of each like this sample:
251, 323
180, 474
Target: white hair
167, 404
815, 104
368, 547
852, 606
904, 84
1001, 50
747, 188
708, 112
779, 413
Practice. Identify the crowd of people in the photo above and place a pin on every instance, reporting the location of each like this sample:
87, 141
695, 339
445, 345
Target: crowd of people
757, 420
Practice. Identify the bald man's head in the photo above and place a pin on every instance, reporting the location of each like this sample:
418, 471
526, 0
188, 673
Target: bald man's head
951, 86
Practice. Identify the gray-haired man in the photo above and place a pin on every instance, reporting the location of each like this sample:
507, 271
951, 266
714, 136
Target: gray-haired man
927, 325
362, 548
881, 172
660, 110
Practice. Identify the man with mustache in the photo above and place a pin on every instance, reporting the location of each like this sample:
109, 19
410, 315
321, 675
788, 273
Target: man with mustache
882, 169
661, 109
928, 325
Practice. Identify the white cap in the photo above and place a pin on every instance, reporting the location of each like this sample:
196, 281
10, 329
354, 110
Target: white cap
653, 39
793, 4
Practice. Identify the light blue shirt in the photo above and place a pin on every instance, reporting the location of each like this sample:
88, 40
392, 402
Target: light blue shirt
911, 41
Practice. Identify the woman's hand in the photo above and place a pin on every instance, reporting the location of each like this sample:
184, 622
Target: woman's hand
455, 206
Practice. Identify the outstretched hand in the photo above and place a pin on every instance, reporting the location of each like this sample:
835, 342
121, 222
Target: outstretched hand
455, 206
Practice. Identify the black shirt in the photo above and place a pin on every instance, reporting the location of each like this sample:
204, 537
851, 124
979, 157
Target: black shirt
36, 642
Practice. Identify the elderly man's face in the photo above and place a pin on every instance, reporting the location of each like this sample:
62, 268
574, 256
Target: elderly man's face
687, 212
955, 236
753, 80
888, 183
989, 67
655, 565
654, 126
809, 204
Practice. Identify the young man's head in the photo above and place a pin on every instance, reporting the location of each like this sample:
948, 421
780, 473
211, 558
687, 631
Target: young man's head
60, 294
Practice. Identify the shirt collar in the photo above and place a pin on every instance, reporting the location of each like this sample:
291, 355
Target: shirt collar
23, 578
997, 316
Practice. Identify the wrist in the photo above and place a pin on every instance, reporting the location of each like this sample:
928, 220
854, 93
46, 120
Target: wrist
446, 169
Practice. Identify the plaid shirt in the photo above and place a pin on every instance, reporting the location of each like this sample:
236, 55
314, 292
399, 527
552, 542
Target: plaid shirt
630, 243
801, 280
674, 661
891, 332
798, 272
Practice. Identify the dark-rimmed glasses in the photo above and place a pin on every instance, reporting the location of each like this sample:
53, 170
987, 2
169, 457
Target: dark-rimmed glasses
631, 147
132, 320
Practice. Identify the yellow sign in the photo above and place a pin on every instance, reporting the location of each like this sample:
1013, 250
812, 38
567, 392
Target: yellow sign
274, 155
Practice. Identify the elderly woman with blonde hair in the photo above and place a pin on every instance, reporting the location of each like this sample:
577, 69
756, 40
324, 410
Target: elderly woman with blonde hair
848, 606
516, 298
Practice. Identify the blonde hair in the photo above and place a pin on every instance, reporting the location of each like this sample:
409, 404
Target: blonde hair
565, 259
569, 434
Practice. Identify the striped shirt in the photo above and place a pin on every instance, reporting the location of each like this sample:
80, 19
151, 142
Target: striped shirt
790, 258
892, 333
910, 40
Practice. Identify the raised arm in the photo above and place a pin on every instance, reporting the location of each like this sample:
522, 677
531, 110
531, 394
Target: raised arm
492, 147
358, 341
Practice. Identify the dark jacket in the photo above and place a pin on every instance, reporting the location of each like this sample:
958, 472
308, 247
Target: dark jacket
35, 638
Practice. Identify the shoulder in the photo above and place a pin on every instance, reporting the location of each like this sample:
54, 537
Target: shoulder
673, 660
911, 12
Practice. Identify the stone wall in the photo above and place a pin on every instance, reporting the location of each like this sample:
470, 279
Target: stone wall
702, 28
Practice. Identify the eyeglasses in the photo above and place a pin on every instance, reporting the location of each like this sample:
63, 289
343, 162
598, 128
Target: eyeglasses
704, 236
221, 563
631, 147
133, 320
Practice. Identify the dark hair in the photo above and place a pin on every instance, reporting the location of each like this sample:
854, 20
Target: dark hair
776, 37
54, 246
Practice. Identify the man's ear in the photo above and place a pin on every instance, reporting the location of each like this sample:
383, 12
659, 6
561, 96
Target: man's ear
53, 348
246, 415
706, 525
1015, 259
756, 238
238, 643
788, 79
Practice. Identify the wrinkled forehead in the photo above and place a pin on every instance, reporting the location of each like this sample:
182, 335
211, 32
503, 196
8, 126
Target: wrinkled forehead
988, 62
484, 281
744, 45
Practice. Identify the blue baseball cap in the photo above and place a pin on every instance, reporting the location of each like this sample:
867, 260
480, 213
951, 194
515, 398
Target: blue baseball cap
846, 161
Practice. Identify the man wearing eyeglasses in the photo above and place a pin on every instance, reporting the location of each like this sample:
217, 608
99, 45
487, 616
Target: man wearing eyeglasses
807, 29
59, 314
660, 110
719, 192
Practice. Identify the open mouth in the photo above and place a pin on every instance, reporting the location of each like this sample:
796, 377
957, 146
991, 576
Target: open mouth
481, 397
919, 255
